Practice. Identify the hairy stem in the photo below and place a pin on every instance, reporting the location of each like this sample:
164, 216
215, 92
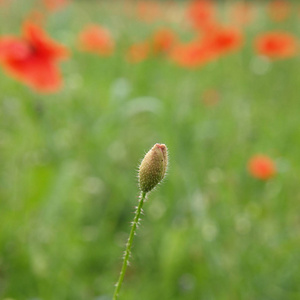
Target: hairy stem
129, 244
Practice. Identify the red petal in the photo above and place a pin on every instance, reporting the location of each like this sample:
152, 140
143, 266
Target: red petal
13, 48
42, 75
42, 43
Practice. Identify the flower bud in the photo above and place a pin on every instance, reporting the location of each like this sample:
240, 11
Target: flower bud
153, 167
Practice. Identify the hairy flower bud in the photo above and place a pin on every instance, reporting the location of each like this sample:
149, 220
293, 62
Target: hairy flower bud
153, 167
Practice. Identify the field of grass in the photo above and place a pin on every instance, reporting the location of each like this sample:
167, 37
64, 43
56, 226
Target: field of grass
68, 176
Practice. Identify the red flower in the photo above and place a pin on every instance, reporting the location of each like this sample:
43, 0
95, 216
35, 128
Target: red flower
201, 14
163, 40
138, 52
261, 167
148, 11
191, 55
277, 45
4, 2
224, 40
32, 60
279, 10
55, 5
219, 42
97, 40
242, 13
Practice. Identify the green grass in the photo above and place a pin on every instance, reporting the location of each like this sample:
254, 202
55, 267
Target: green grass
68, 177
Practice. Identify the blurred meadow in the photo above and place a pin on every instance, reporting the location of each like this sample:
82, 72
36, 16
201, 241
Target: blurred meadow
136, 73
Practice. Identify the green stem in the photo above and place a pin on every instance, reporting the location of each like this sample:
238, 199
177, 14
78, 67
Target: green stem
129, 244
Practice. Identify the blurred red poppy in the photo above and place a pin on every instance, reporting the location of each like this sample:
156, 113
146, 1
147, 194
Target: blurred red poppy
96, 39
279, 10
32, 59
220, 41
201, 14
163, 40
148, 11
223, 40
55, 5
138, 52
242, 13
4, 2
277, 45
261, 167
191, 55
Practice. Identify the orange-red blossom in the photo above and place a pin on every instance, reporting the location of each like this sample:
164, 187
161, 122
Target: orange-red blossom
33, 58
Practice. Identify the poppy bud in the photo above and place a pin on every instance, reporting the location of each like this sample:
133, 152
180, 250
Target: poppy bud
153, 167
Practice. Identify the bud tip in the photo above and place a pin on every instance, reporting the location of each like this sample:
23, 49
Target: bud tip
153, 167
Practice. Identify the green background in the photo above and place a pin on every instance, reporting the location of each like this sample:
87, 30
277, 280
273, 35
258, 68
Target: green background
68, 176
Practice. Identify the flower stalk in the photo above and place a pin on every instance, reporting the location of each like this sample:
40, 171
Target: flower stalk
151, 172
129, 244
